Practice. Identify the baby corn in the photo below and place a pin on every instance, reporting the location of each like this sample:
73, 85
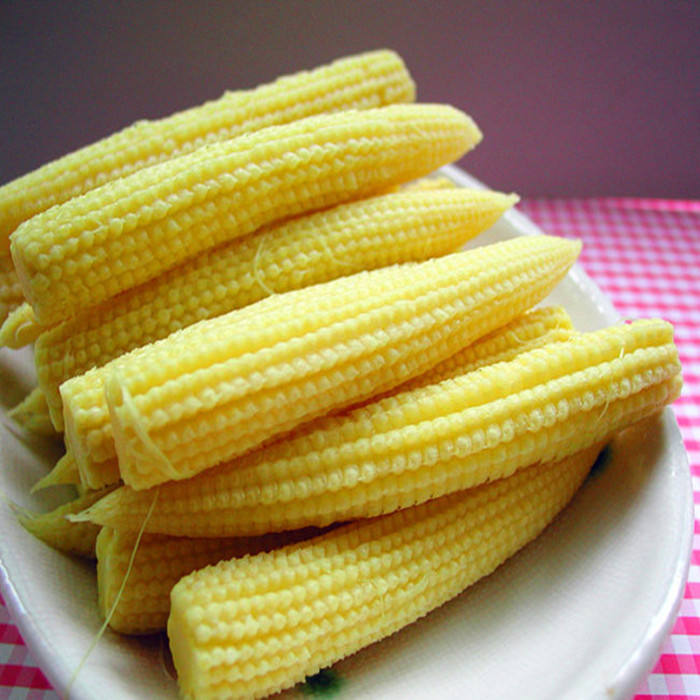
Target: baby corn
371, 79
223, 386
128, 231
11, 296
134, 581
533, 329
548, 324
378, 231
20, 327
542, 405
249, 627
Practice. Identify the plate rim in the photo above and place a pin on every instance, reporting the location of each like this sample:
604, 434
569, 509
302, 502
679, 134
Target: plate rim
629, 674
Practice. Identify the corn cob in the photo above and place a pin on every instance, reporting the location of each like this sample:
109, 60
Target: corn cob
20, 327
225, 385
434, 181
365, 234
542, 405
55, 529
532, 330
371, 79
128, 231
10, 291
142, 603
32, 413
250, 627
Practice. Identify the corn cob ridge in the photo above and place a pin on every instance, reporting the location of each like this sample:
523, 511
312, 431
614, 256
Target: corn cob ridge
378, 231
366, 80
250, 627
413, 446
296, 356
110, 239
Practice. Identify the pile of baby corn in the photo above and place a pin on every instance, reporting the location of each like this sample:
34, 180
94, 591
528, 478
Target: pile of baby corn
299, 415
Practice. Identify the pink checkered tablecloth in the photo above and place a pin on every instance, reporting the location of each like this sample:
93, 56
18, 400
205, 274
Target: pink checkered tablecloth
645, 255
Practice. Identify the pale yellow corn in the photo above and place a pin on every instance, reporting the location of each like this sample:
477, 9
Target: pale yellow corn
141, 603
371, 79
32, 413
119, 235
223, 386
362, 235
433, 182
55, 529
531, 330
542, 405
249, 627
11, 295
20, 327
366, 80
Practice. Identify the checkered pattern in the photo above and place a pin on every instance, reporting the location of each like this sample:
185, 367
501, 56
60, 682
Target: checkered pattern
645, 255
20, 679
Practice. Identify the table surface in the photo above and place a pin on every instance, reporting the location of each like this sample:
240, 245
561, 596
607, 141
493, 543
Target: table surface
645, 255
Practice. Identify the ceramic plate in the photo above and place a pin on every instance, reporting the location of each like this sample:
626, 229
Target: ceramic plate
580, 613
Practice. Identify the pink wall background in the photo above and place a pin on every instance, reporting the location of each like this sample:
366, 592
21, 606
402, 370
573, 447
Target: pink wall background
575, 98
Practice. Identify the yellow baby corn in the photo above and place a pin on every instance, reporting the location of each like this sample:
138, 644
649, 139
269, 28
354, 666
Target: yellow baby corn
542, 405
110, 239
366, 234
371, 79
249, 627
10, 291
531, 330
54, 527
432, 182
20, 327
223, 386
32, 413
142, 603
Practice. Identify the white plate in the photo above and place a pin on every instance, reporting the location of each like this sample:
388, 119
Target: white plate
580, 613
